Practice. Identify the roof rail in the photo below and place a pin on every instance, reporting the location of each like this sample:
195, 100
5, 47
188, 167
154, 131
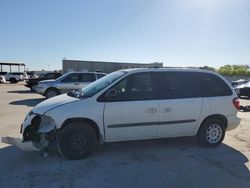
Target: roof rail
176, 67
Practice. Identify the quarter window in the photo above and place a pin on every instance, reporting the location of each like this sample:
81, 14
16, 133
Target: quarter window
100, 76
212, 86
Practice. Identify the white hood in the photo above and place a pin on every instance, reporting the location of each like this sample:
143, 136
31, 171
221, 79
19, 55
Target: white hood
52, 103
243, 85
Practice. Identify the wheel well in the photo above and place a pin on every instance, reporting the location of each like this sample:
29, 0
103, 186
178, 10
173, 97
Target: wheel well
86, 120
51, 88
216, 116
13, 78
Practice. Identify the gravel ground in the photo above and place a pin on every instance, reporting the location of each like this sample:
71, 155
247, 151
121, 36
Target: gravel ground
151, 163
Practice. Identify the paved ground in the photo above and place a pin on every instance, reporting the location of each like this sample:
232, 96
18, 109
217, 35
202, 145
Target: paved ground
153, 163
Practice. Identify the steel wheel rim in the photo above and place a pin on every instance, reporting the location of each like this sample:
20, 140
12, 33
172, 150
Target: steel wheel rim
214, 133
78, 142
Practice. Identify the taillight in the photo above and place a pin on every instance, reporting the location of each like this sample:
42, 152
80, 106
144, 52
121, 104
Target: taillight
236, 103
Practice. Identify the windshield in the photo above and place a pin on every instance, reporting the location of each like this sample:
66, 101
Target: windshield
63, 76
100, 84
41, 75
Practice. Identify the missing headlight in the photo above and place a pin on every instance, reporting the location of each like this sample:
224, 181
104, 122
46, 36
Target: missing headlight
30, 132
47, 124
41, 131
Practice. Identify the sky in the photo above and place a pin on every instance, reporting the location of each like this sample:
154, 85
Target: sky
40, 33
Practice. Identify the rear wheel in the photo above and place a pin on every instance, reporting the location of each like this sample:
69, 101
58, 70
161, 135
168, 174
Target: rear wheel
76, 140
212, 132
13, 80
33, 88
51, 92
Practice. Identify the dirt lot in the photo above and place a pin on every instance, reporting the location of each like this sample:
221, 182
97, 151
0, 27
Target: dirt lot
153, 163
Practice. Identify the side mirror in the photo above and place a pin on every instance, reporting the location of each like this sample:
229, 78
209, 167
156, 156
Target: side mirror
110, 94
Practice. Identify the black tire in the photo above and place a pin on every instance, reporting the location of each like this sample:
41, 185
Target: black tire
51, 92
207, 137
32, 88
76, 140
13, 80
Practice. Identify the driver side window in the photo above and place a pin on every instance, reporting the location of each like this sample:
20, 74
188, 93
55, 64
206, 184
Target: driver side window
71, 78
134, 87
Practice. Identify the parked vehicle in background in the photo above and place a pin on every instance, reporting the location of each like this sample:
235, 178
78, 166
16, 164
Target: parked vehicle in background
134, 104
31, 74
238, 82
68, 82
32, 82
13, 77
2, 79
25, 76
243, 90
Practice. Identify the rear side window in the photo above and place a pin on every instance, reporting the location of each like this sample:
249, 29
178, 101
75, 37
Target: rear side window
73, 77
212, 86
16, 73
58, 75
177, 85
100, 76
86, 77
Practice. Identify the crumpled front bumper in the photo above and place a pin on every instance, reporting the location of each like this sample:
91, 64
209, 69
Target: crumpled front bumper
25, 146
37, 131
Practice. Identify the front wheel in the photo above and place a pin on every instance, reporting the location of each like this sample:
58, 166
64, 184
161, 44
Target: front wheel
13, 80
76, 140
211, 133
51, 92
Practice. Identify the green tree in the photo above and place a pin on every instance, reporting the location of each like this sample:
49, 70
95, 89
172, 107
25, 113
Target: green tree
234, 70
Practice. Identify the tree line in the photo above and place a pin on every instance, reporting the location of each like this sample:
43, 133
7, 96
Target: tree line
231, 70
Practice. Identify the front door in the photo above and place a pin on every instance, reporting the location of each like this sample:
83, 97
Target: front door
131, 112
69, 83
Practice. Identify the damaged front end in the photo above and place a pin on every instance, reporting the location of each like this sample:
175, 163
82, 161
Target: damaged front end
38, 132
39, 129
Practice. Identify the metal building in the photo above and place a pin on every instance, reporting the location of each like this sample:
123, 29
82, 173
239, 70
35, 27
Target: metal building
10, 65
101, 66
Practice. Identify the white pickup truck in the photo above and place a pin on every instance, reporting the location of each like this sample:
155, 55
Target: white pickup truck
13, 77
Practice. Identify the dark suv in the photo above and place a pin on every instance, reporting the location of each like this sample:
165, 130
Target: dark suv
32, 82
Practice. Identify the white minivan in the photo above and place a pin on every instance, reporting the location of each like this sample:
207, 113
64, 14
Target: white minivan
135, 104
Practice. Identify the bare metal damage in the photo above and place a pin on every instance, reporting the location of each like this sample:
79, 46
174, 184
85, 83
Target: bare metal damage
41, 130
38, 132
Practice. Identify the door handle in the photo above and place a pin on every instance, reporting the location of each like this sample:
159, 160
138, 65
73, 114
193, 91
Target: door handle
151, 110
76, 84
